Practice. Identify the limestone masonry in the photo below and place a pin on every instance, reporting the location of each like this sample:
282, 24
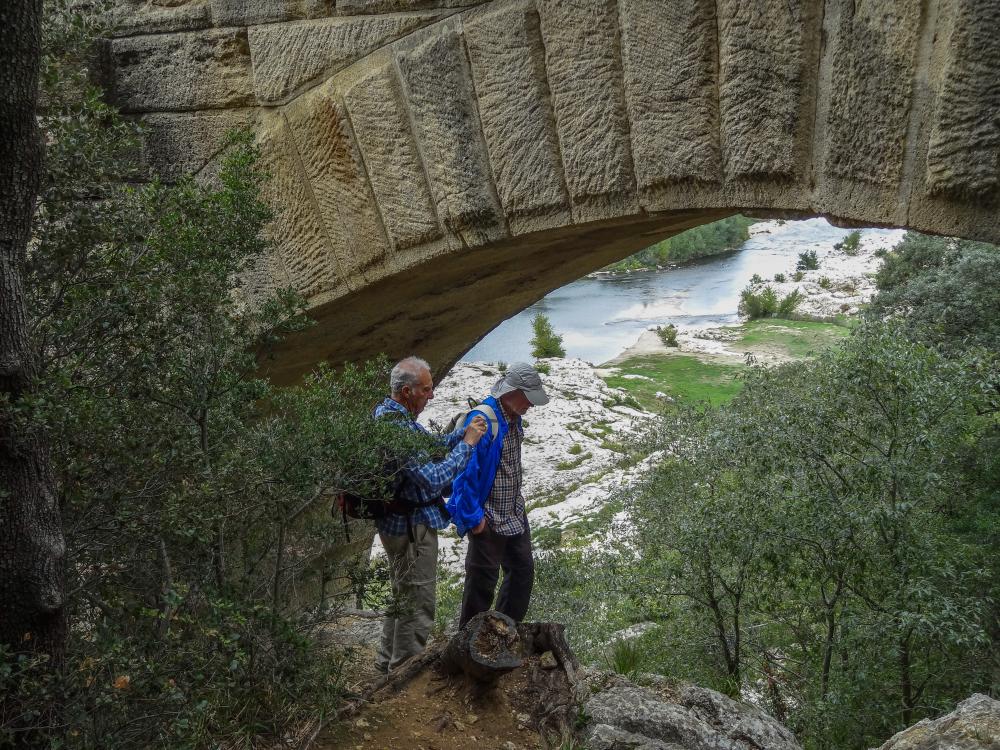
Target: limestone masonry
439, 165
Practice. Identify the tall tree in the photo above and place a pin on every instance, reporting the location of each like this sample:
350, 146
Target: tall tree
31, 541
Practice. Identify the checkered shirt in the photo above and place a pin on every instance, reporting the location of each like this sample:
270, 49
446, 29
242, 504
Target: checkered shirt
504, 508
426, 481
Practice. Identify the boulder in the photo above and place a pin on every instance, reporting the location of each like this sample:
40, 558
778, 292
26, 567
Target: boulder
626, 716
973, 725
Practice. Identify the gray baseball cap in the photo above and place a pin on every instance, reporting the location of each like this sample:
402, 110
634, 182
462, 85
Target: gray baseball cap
521, 376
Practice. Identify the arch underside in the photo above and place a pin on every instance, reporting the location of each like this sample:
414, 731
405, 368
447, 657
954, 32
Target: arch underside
438, 168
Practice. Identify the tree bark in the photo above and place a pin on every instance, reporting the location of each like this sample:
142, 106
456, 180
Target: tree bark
485, 649
32, 549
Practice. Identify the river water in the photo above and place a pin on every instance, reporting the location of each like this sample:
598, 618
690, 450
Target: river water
600, 316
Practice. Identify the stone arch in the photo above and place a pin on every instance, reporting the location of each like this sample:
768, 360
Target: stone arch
440, 165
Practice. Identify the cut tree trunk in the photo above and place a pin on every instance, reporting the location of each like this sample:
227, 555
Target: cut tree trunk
31, 540
487, 648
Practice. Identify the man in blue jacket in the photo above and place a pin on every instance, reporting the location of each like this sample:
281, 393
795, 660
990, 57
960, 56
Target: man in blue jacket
487, 503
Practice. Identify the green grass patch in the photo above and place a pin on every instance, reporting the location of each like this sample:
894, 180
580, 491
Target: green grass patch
798, 339
678, 375
572, 464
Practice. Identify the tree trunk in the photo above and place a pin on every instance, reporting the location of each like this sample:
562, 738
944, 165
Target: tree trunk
31, 541
485, 649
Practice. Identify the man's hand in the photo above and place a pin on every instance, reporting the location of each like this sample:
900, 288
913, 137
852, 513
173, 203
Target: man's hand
475, 431
479, 527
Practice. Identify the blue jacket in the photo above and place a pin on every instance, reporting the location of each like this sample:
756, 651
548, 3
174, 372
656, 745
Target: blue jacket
474, 484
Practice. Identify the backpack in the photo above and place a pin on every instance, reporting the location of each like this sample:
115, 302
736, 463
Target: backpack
491, 417
352, 505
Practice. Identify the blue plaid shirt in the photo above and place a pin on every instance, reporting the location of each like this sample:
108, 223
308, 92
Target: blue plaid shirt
426, 481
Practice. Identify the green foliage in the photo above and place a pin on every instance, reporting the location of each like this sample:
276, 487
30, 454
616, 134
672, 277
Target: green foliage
545, 342
625, 657
668, 335
780, 278
708, 239
825, 283
202, 558
543, 367
798, 276
851, 244
767, 304
807, 261
947, 292
826, 535
575, 450
756, 279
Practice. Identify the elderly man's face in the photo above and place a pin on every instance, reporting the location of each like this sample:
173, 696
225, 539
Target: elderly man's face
516, 402
415, 398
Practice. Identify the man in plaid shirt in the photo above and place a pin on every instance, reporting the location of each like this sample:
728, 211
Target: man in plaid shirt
487, 502
413, 564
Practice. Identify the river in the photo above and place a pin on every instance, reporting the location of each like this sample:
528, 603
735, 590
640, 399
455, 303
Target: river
600, 316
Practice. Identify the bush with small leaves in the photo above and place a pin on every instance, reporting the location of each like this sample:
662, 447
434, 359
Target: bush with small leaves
779, 278
798, 276
756, 279
545, 342
668, 334
851, 244
808, 261
825, 283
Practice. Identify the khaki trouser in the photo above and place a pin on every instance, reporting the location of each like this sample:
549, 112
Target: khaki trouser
413, 572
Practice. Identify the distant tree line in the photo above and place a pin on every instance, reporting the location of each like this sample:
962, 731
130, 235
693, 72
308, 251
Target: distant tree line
708, 239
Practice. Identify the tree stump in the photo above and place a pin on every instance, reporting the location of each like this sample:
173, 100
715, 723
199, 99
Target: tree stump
487, 648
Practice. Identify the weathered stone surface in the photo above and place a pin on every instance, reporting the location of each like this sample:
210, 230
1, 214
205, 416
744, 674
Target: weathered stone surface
131, 17
973, 725
336, 174
963, 159
761, 69
508, 64
185, 71
382, 127
701, 720
584, 72
298, 232
184, 142
669, 58
442, 100
388, 6
250, 12
872, 83
287, 57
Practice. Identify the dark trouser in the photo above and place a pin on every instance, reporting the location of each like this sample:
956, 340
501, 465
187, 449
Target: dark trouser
488, 552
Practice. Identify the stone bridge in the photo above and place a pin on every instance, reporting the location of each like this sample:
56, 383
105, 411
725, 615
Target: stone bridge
438, 165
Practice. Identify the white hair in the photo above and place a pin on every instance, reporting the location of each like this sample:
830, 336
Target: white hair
406, 372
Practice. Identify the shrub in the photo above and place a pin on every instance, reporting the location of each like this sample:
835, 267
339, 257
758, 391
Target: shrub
575, 450
824, 282
798, 276
543, 367
779, 278
668, 334
767, 304
546, 342
808, 261
756, 279
851, 244
625, 657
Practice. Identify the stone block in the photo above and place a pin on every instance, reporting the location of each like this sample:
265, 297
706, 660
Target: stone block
508, 65
963, 159
349, 7
871, 90
442, 100
299, 234
184, 142
670, 61
130, 17
382, 128
332, 164
186, 71
762, 69
581, 54
289, 57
